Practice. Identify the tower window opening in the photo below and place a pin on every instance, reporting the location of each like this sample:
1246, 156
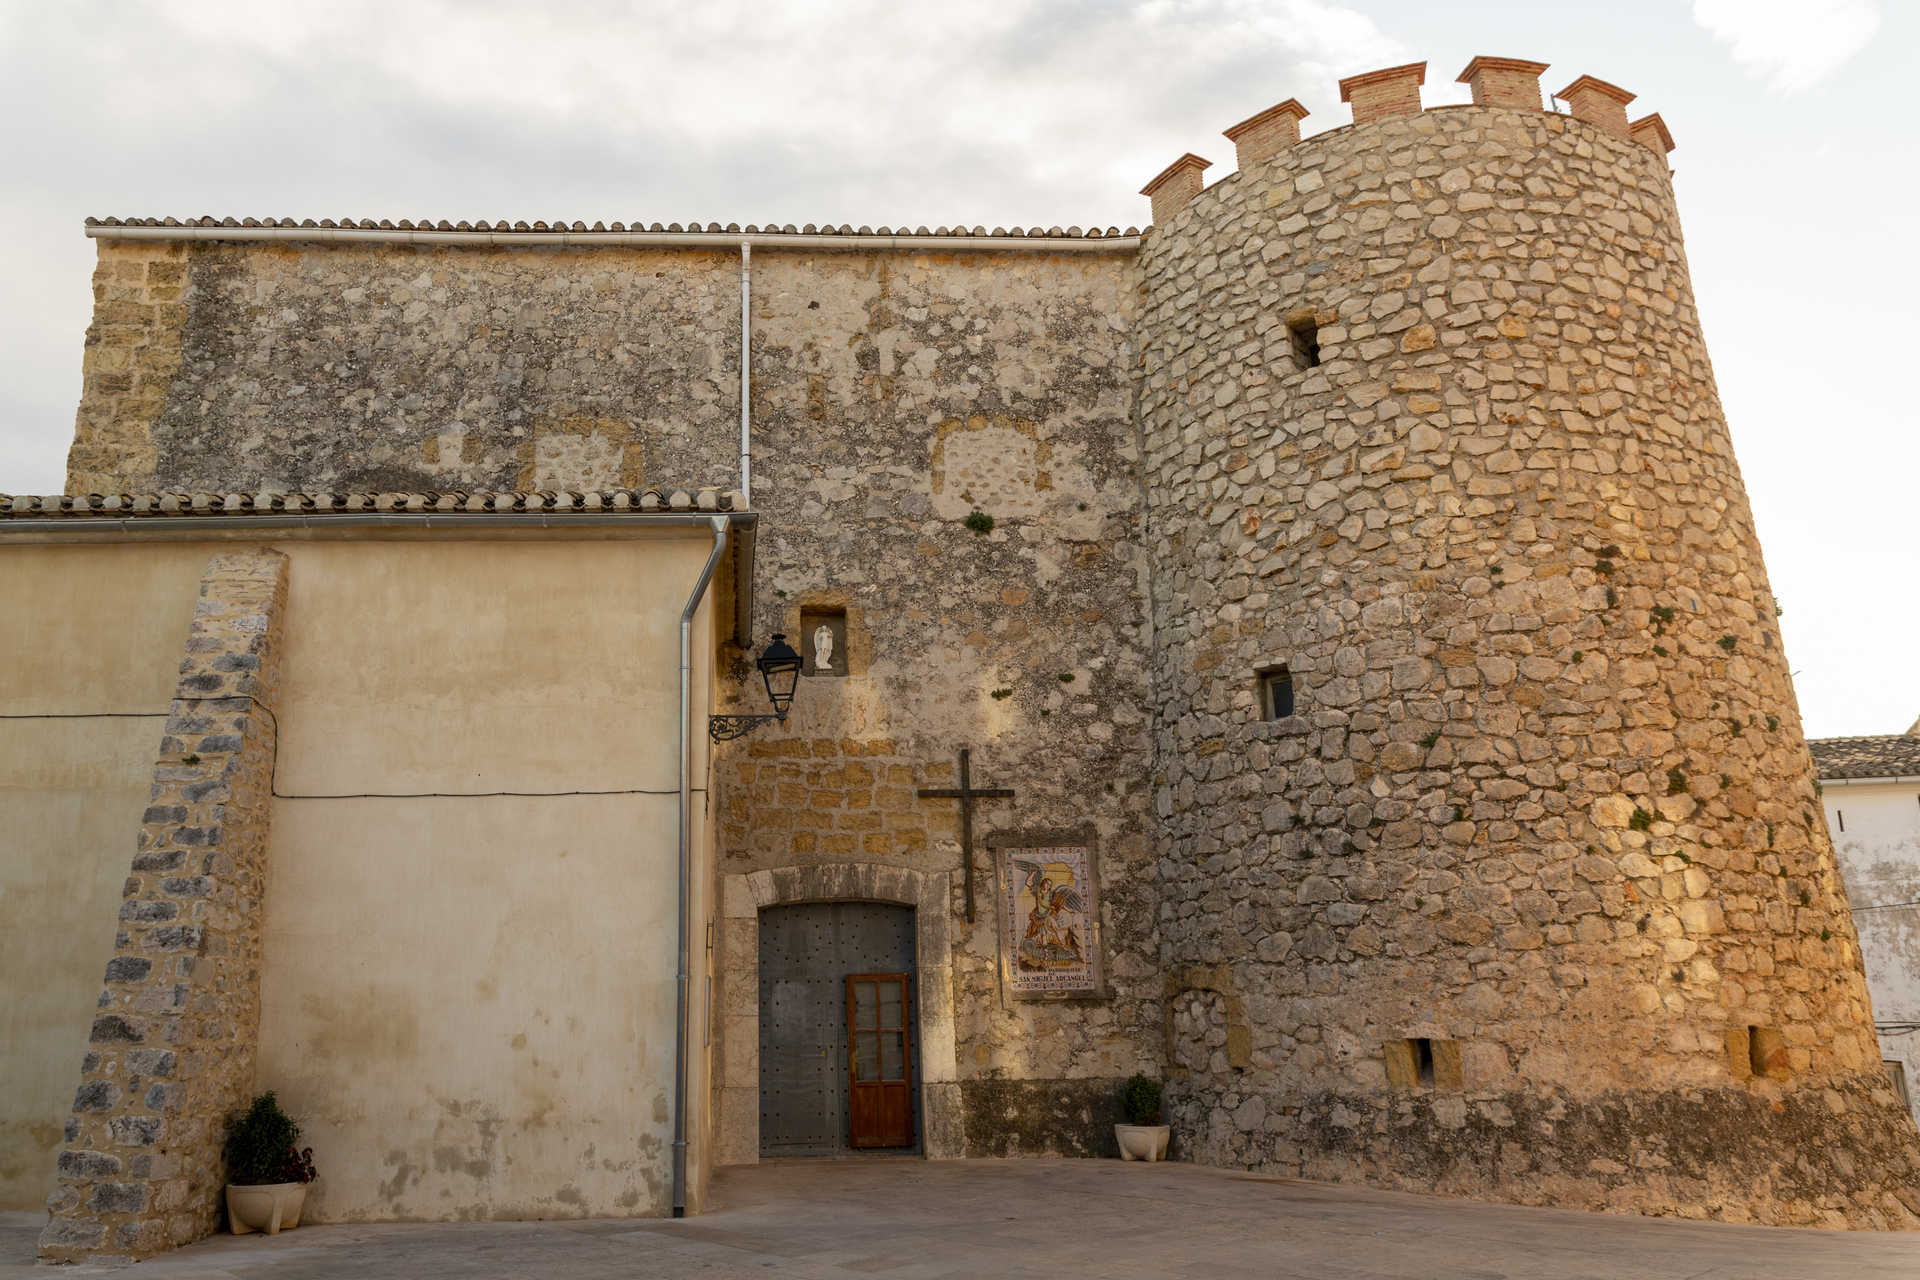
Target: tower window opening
1304, 333
1842, 815
1766, 1052
1423, 1061
1276, 693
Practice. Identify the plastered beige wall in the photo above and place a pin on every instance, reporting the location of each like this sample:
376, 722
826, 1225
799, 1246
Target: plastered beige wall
71, 795
469, 1002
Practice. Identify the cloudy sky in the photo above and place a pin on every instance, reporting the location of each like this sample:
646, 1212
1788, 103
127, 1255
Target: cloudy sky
1796, 171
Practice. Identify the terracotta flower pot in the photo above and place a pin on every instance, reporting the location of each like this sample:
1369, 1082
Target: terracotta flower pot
1143, 1141
270, 1208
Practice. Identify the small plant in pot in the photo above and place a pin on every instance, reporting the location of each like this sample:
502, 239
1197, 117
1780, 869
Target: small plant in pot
1143, 1137
267, 1169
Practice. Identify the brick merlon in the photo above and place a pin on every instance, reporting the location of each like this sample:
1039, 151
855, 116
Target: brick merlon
1651, 130
1484, 62
1416, 71
1174, 170
1596, 85
1274, 114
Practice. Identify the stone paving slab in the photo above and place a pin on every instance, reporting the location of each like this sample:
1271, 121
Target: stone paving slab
918, 1220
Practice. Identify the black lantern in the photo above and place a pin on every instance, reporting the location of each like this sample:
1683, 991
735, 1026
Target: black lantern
780, 669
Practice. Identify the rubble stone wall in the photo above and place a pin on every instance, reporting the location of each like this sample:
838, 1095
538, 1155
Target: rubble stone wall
1535, 878
171, 1053
894, 394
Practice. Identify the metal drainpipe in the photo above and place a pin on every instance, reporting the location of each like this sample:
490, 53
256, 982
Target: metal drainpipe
746, 373
686, 867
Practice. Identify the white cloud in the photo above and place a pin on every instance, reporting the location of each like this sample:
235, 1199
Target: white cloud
864, 111
1794, 44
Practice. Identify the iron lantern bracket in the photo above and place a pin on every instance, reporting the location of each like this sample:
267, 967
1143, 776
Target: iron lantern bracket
727, 728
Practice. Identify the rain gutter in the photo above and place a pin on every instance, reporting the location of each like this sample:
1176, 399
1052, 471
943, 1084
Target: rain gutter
661, 239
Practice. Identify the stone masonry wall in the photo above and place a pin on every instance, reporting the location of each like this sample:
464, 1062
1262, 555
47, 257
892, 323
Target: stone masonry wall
894, 394
132, 354
170, 1056
362, 367
1495, 911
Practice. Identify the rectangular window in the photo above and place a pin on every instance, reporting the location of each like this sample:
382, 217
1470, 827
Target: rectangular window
1304, 333
1276, 694
1898, 1070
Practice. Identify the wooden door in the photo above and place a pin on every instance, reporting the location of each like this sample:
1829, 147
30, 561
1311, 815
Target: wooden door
879, 1061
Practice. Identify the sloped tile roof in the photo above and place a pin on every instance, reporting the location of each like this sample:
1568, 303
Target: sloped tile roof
1887, 755
177, 505
711, 228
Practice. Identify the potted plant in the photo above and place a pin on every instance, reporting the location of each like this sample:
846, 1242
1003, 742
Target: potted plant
267, 1170
1143, 1137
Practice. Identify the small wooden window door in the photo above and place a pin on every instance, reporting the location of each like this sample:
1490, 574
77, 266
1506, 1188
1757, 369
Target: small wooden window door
879, 1063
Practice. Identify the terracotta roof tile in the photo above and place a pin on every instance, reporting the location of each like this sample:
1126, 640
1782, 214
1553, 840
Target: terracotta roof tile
117, 506
1887, 755
581, 228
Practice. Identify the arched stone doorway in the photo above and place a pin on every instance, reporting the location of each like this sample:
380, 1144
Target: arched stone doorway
929, 894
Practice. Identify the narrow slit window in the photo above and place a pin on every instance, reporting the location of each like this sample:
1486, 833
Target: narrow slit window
1276, 694
1304, 333
1423, 1061
1842, 815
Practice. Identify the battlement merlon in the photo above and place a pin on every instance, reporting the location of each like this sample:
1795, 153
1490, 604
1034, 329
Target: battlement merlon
1393, 92
1262, 137
1504, 82
1175, 185
1382, 95
1598, 103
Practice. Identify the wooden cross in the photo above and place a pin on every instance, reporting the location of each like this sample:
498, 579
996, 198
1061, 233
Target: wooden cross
966, 793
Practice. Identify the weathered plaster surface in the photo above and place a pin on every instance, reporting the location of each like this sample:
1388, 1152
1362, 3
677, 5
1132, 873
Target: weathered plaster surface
460, 1034
71, 795
1879, 851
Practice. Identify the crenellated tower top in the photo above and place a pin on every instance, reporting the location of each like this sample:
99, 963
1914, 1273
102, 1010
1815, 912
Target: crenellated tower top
1511, 83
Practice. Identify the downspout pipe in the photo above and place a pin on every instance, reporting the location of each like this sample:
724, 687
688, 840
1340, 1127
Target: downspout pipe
746, 373
683, 966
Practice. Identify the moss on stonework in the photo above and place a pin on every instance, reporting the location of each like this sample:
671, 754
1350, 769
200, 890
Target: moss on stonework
1041, 1117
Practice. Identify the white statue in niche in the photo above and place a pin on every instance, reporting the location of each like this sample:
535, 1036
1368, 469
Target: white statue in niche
823, 648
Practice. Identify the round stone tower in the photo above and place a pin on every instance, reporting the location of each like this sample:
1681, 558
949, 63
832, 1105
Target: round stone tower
1527, 894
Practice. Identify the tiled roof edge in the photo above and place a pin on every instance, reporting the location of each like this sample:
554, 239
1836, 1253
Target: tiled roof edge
1887, 755
672, 228
477, 502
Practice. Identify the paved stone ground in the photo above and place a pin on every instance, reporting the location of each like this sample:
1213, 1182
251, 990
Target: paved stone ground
910, 1218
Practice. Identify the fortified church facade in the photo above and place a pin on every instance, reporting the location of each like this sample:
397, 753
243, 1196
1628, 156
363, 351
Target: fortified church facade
1346, 586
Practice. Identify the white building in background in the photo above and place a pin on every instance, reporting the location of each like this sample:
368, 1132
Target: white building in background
1871, 792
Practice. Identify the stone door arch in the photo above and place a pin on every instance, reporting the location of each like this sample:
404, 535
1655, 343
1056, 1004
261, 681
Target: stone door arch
742, 896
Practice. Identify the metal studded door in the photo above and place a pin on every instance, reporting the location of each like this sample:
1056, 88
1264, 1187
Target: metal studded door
807, 953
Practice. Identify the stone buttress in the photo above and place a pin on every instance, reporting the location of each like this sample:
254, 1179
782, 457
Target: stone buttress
170, 1056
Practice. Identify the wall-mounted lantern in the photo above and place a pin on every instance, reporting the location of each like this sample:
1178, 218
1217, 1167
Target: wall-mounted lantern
780, 669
